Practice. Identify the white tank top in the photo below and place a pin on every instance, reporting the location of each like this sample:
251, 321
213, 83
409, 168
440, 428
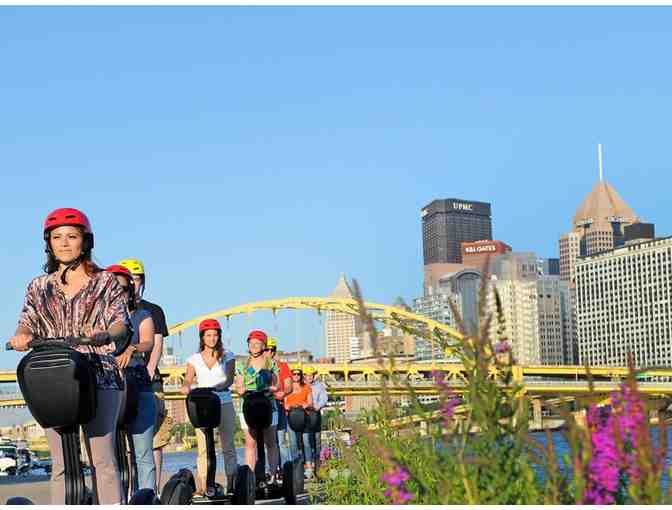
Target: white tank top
209, 377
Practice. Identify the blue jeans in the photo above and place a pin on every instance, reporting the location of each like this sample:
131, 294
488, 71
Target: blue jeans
142, 431
308, 453
294, 446
284, 437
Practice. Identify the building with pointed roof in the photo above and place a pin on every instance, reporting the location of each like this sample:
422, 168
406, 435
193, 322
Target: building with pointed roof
341, 331
597, 226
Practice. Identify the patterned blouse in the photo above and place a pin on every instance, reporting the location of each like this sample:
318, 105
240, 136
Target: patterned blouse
48, 313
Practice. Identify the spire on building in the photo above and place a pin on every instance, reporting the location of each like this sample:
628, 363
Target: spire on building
342, 289
601, 205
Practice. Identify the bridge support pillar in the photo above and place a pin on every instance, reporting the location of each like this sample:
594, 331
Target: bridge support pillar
537, 417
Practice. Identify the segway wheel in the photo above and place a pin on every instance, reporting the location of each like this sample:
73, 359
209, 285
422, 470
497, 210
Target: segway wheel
245, 487
144, 497
19, 500
288, 483
179, 490
299, 477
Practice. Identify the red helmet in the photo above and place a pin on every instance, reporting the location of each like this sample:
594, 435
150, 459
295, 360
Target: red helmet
69, 217
209, 324
117, 269
258, 335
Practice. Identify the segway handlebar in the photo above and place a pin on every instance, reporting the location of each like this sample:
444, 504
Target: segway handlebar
70, 341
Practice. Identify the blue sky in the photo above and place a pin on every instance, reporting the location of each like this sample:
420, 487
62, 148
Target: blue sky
256, 153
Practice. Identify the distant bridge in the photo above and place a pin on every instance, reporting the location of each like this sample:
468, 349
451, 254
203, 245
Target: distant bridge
353, 379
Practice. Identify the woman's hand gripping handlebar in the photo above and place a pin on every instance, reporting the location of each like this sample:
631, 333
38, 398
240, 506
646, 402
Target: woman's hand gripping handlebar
24, 342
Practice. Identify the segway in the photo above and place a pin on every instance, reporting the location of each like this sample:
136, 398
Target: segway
125, 450
258, 414
204, 410
59, 386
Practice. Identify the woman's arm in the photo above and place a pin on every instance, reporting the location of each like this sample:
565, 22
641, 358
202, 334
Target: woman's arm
230, 370
146, 336
238, 385
309, 400
188, 379
27, 321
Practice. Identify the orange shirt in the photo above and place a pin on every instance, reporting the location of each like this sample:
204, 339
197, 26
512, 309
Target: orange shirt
297, 397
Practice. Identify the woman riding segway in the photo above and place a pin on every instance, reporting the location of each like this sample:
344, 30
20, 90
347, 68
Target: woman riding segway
259, 377
312, 442
140, 425
296, 404
76, 299
213, 367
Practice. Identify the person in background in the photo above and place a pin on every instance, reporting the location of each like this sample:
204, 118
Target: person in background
133, 365
164, 423
285, 388
312, 441
301, 396
213, 367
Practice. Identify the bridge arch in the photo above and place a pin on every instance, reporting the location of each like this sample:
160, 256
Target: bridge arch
389, 315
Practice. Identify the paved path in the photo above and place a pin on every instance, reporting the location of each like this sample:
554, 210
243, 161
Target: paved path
36, 488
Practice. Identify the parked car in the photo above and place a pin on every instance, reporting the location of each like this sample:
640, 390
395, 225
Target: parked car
8, 460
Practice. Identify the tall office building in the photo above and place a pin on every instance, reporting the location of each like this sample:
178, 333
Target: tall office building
461, 288
598, 226
447, 223
340, 328
624, 303
536, 309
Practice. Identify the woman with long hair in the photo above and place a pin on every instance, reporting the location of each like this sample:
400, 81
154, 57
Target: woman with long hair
77, 299
213, 367
260, 373
301, 397
132, 363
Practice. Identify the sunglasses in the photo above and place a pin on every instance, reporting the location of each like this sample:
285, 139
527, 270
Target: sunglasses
296, 373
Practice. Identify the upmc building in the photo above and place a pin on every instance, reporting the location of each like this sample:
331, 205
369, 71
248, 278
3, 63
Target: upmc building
448, 223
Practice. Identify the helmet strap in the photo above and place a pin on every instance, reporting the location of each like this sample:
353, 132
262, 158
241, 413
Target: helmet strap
256, 355
70, 266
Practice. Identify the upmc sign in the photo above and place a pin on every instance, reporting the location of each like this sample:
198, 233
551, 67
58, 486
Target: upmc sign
462, 206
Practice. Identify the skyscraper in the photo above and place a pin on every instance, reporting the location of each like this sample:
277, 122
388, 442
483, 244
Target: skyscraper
341, 328
623, 304
535, 306
461, 288
598, 226
447, 223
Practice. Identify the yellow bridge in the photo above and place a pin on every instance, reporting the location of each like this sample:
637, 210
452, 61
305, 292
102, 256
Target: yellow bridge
354, 379
365, 380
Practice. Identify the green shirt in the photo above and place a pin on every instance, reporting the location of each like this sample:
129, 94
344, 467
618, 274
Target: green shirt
258, 380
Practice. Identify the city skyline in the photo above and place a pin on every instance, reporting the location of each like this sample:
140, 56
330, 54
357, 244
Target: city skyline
246, 168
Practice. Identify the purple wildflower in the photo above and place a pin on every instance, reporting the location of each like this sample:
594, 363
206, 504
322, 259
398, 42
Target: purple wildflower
611, 467
396, 481
448, 409
325, 454
502, 347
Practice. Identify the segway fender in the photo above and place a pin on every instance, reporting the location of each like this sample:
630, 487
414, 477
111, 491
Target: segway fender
19, 501
179, 490
245, 486
144, 497
288, 483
